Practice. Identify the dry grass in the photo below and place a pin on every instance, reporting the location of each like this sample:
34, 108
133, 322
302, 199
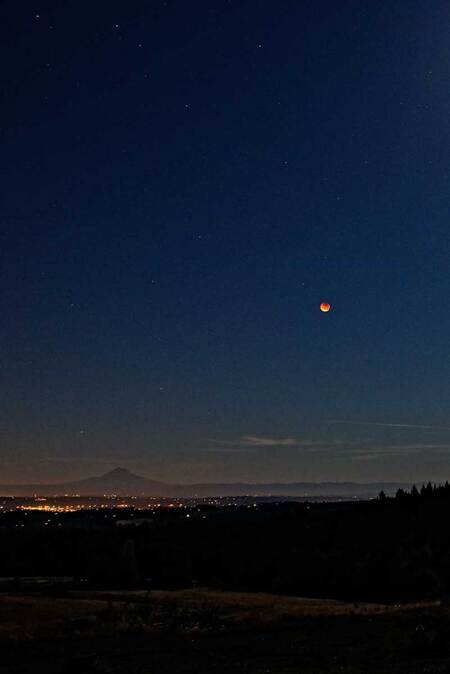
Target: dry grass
266, 603
24, 616
202, 630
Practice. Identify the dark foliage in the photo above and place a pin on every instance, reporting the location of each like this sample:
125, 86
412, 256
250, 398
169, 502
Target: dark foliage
386, 549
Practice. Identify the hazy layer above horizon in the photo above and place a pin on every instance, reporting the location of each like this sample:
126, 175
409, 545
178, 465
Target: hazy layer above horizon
186, 184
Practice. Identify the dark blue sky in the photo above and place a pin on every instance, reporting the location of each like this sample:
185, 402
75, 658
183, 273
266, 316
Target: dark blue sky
182, 184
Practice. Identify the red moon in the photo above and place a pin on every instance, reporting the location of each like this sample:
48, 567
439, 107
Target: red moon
325, 307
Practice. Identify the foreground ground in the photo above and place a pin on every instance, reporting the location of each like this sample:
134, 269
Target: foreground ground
194, 632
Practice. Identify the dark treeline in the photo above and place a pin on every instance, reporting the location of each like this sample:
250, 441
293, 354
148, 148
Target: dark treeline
387, 549
440, 491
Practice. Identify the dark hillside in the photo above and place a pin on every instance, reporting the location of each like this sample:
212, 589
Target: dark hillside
387, 549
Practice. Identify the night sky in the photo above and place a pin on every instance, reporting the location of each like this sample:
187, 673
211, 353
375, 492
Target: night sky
182, 185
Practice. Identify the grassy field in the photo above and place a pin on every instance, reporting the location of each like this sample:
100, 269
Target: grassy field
196, 631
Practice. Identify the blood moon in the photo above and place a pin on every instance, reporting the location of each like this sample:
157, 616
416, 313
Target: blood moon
325, 307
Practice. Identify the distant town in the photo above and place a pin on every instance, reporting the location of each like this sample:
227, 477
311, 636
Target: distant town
111, 502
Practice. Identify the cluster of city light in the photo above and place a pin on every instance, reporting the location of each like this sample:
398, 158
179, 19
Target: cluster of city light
51, 508
69, 504
75, 507
68, 508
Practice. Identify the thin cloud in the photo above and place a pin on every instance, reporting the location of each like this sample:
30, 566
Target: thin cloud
417, 449
389, 425
101, 461
256, 442
250, 443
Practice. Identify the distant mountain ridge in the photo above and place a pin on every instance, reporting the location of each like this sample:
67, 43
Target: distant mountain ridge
122, 482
